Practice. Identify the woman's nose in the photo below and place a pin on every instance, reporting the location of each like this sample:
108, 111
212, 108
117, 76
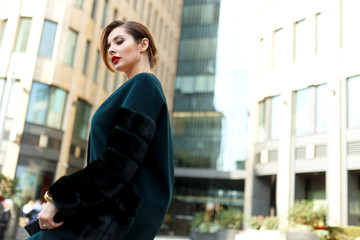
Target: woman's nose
110, 50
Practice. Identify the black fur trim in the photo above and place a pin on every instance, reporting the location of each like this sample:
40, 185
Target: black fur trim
108, 178
136, 122
127, 143
63, 194
125, 168
84, 186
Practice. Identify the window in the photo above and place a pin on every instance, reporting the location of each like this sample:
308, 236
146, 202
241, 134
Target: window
154, 23
96, 69
116, 81
322, 108
311, 111
56, 108
149, 14
278, 51
23, 34
106, 80
47, 39
86, 57
70, 47
303, 112
103, 21
302, 40
82, 117
353, 115
3, 24
46, 105
115, 14
2, 86
142, 8
78, 3
269, 125
319, 33
275, 118
93, 10
262, 122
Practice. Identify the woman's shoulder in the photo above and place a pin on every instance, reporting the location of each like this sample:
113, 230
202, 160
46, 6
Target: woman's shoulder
145, 78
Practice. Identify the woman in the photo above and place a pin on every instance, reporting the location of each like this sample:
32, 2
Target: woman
125, 190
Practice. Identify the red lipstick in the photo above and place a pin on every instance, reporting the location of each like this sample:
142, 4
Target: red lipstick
115, 59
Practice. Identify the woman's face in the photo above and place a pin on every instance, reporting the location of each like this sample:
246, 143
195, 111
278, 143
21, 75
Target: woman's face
123, 52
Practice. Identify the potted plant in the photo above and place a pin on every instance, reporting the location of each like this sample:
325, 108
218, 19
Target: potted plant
260, 227
304, 218
221, 225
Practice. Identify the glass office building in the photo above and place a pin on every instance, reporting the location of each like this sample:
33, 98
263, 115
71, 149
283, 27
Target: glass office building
210, 113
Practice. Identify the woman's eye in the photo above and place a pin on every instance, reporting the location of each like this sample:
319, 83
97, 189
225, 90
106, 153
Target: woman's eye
120, 42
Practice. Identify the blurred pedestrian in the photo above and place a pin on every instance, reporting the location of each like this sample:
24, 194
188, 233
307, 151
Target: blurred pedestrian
125, 190
35, 209
5, 216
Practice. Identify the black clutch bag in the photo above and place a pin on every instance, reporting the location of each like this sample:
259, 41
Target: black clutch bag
32, 227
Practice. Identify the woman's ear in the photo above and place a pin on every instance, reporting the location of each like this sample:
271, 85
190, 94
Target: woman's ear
144, 44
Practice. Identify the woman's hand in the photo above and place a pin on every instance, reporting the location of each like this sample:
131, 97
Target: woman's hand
46, 217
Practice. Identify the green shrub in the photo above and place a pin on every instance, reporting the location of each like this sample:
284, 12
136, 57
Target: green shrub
230, 218
255, 222
261, 223
270, 223
304, 213
344, 233
7, 186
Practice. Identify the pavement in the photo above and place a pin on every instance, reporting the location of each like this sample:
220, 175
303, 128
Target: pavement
21, 234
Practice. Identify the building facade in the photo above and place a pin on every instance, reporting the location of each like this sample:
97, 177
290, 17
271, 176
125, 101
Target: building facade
52, 79
210, 111
304, 124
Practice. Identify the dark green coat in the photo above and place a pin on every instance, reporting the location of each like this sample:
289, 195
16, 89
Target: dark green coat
126, 189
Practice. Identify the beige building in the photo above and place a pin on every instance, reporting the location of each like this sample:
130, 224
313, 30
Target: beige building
304, 119
52, 78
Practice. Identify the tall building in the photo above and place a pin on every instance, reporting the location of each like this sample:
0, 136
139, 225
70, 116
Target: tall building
210, 111
52, 79
304, 121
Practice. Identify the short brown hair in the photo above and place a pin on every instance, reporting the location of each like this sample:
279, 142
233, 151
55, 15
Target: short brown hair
138, 31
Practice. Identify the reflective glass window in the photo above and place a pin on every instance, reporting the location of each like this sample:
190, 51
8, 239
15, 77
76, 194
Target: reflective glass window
47, 39
262, 122
3, 24
2, 85
56, 108
302, 40
353, 86
82, 119
78, 3
322, 108
69, 54
23, 34
96, 69
203, 48
93, 9
46, 105
38, 104
303, 112
105, 10
200, 14
86, 57
279, 56
106, 80
275, 124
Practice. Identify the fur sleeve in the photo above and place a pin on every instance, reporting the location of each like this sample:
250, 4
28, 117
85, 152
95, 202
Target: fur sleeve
125, 149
